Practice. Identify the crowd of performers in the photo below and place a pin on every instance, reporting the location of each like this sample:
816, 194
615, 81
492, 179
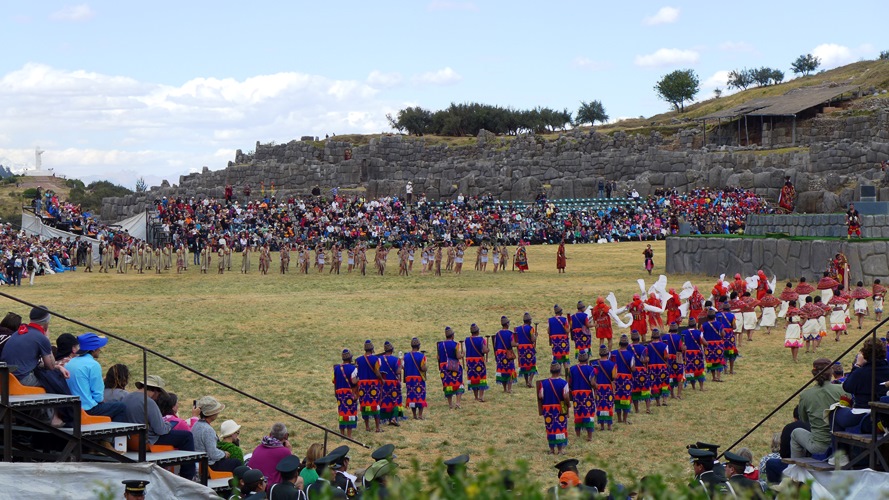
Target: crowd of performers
675, 340
222, 235
433, 258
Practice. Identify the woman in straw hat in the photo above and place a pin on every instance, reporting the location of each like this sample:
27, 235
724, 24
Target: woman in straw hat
205, 436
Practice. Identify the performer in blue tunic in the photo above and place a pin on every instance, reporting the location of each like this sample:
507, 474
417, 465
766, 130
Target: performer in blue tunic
658, 368
558, 328
624, 360
391, 404
641, 381
526, 339
553, 396
369, 386
695, 347
580, 330
476, 348
580, 380
345, 383
675, 360
505, 355
449, 356
415, 379
606, 373
715, 347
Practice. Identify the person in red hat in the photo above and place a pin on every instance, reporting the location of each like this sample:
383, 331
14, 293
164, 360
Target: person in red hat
602, 320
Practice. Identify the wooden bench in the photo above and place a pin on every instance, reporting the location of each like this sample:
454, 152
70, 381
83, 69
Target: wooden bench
809, 463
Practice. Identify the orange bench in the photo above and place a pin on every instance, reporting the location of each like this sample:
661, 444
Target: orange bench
220, 474
133, 444
86, 418
17, 389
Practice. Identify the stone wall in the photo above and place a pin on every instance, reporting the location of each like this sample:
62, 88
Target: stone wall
787, 259
825, 174
818, 225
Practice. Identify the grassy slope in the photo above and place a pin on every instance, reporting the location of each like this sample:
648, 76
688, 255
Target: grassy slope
864, 73
277, 337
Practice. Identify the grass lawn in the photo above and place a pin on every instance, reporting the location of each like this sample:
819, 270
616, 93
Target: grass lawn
278, 336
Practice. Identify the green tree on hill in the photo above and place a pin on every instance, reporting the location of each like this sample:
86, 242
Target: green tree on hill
591, 112
740, 79
415, 121
805, 64
677, 87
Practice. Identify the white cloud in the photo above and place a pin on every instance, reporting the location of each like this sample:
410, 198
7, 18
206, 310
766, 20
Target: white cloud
667, 57
93, 124
74, 13
833, 55
589, 64
444, 76
717, 79
384, 80
665, 15
737, 47
442, 5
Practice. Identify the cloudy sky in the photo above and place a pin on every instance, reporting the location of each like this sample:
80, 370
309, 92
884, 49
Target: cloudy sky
120, 90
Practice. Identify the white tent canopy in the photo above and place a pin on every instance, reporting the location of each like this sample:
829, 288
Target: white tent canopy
33, 225
85, 480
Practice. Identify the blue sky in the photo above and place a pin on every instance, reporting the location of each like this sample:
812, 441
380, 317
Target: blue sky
120, 90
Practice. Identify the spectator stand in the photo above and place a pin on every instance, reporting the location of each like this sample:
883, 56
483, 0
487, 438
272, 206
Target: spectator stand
82, 436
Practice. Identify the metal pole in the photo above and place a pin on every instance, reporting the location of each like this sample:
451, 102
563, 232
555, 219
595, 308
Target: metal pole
873, 449
143, 445
192, 370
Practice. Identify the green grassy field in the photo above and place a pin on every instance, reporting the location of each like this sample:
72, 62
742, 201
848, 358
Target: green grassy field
278, 336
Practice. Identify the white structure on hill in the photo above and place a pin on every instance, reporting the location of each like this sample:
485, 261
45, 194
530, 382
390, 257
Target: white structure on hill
38, 171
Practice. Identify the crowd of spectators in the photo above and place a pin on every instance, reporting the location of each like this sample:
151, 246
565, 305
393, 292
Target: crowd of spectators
62, 215
325, 220
24, 256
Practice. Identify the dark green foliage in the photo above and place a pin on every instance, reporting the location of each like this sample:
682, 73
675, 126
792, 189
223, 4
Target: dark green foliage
29, 193
677, 87
762, 77
884, 55
740, 79
90, 197
460, 120
74, 183
805, 64
591, 112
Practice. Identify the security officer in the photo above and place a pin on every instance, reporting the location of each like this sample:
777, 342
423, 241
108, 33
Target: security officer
702, 462
289, 468
342, 479
134, 489
322, 487
385, 452
741, 485
377, 477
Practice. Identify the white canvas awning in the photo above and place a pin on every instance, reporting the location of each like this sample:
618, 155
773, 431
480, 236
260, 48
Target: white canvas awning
85, 480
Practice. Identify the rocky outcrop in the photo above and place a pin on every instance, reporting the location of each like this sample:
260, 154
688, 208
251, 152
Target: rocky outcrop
826, 173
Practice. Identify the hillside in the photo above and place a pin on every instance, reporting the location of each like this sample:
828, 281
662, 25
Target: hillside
866, 74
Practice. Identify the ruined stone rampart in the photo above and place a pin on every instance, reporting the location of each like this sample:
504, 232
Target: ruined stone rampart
840, 154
